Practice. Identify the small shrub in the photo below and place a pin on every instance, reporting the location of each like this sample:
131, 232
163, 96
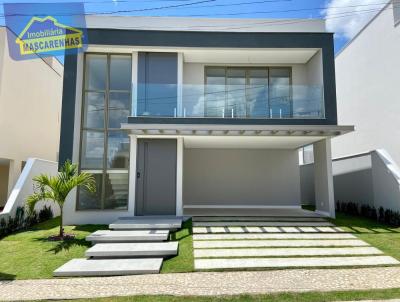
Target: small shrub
45, 214
381, 215
386, 216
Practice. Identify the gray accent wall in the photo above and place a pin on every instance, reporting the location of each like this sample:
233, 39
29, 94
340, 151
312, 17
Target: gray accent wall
368, 178
352, 180
238, 177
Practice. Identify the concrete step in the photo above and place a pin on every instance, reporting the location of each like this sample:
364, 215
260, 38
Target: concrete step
284, 252
238, 230
147, 249
261, 224
109, 267
103, 236
273, 236
245, 263
276, 243
254, 218
147, 224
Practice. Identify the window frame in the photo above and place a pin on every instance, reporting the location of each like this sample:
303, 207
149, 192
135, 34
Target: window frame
105, 130
246, 69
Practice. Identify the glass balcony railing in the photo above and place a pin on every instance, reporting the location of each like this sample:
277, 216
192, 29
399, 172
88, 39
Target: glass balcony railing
229, 101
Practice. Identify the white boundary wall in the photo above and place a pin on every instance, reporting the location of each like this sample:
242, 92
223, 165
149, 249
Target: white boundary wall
371, 178
24, 186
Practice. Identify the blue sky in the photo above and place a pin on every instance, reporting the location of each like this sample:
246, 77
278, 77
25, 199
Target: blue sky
344, 17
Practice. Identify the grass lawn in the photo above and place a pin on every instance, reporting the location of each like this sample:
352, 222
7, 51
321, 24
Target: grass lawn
295, 297
184, 261
381, 236
29, 255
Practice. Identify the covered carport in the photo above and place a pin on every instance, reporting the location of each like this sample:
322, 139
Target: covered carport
243, 169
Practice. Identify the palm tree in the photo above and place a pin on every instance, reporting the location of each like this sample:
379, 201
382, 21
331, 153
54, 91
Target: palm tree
56, 188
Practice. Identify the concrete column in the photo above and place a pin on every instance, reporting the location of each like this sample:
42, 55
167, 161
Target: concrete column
323, 178
179, 176
132, 174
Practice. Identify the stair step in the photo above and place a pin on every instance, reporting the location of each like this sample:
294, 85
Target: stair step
245, 263
261, 223
109, 267
116, 250
255, 218
103, 236
147, 224
241, 230
203, 244
274, 236
285, 252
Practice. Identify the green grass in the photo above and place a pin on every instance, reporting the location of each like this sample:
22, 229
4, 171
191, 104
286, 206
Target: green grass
184, 261
381, 236
297, 297
29, 255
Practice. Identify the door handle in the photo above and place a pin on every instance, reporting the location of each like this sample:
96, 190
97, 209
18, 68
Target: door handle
137, 174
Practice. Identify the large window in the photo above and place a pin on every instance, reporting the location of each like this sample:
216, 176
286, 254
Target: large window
104, 146
263, 92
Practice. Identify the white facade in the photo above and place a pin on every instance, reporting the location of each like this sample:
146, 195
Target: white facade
224, 165
367, 82
30, 105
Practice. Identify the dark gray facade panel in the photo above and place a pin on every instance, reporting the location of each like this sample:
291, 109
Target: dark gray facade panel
157, 80
68, 109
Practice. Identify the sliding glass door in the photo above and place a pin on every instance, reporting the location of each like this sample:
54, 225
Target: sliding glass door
248, 92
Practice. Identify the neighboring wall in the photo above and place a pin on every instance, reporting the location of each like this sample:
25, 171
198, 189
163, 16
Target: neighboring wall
367, 82
30, 104
3, 183
371, 178
250, 177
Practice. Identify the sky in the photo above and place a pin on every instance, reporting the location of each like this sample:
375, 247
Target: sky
343, 17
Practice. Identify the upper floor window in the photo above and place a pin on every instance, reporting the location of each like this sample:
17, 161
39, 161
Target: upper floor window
104, 147
246, 92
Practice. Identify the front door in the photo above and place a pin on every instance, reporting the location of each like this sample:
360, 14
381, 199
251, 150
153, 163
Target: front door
156, 177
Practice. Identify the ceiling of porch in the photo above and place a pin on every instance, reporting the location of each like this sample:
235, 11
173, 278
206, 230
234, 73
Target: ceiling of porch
249, 142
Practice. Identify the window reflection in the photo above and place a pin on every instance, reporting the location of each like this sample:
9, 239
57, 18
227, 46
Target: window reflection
105, 106
248, 92
116, 190
96, 72
94, 110
118, 150
119, 108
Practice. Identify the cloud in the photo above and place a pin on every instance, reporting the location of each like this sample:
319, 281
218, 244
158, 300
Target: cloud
346, 17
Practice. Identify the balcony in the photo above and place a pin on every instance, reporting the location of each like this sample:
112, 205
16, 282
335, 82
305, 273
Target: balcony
233, 101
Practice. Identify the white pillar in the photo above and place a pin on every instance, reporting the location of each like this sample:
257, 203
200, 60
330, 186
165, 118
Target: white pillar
323, 178
132, 174
179, 176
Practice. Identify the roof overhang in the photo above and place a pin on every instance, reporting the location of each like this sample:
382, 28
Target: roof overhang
240, 136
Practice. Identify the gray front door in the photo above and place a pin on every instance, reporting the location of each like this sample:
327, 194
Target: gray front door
156, 177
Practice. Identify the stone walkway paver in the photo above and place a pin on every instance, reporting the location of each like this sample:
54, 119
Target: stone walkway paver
231, 244
206, 284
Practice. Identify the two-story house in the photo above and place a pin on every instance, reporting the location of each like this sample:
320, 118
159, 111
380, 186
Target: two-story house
181, 116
